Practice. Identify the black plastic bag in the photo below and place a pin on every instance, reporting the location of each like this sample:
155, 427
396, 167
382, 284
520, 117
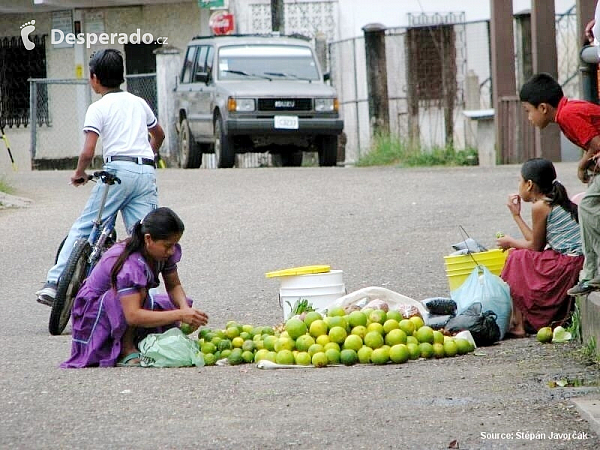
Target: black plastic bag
482, 325
440, 306
436, 321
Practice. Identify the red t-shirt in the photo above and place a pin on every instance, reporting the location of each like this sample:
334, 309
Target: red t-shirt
578, 120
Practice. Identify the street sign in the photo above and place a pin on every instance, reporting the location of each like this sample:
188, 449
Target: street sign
211, 3
221, 23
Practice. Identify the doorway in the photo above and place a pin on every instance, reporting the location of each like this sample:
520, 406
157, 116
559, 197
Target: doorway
140, 72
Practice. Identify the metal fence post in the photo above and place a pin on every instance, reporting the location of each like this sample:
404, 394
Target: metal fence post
356, 104
588, 66
33, 117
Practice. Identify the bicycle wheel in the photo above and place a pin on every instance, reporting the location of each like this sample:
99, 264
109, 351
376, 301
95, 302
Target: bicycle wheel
68, 285
59, 249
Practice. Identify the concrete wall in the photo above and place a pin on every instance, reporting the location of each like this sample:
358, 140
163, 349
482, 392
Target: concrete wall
589, 307
178, 22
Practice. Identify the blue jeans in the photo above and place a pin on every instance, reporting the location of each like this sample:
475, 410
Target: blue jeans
135, 197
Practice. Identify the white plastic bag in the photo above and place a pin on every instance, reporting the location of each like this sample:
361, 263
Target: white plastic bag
365, 295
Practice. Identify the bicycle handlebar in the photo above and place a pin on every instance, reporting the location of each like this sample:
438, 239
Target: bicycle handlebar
103, 175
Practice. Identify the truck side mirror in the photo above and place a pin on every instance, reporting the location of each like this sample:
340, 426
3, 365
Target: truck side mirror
327, 76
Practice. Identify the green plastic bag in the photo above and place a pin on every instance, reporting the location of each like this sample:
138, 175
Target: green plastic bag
169, 349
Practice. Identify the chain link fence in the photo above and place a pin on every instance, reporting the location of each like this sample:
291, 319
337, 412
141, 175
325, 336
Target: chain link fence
57, 110
144, 85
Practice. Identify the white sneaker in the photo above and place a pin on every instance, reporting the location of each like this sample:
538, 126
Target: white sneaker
47, 294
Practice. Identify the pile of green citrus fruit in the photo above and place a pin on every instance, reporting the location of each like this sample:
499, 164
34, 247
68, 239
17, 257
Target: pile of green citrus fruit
365, 337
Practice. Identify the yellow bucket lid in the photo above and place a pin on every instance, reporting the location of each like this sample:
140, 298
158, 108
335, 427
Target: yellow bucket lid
302, 270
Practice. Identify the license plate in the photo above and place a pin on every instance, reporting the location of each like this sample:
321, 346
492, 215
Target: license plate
286, 122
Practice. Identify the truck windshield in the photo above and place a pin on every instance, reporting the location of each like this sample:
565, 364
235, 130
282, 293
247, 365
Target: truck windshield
240, 61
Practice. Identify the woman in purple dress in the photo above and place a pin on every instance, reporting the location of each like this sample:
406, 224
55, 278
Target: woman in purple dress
114, 308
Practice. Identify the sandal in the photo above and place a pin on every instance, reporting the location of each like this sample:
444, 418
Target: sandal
128, 361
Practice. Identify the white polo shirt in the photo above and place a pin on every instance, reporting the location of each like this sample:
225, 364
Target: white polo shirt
122, 120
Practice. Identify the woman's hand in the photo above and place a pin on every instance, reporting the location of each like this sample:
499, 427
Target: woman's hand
505, 242
514, 204
194, 317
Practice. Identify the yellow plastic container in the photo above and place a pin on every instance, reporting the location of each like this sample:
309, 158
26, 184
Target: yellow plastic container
459, 267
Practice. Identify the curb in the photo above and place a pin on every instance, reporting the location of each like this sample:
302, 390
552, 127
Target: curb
11, 201
589, 408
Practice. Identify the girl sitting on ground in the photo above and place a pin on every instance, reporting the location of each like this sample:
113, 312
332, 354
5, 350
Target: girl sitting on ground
114, 308
547, 260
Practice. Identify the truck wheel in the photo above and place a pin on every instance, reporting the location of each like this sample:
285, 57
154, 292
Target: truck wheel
291, 159
190, 156
327, 146
224, 150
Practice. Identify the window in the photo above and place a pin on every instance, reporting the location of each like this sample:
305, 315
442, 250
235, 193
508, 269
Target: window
203, 63
294, 62
17, 65
200, 62
186, 72
209, 59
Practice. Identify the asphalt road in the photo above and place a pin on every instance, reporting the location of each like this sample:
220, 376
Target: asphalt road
382, 226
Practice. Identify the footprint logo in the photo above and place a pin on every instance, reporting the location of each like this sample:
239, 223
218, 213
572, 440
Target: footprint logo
26, 29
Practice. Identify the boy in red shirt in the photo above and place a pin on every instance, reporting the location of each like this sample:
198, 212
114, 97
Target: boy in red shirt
544, 101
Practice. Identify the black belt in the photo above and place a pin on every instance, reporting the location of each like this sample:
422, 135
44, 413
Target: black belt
133, 159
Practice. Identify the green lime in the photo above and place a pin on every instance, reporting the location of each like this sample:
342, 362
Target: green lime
319, 359
295, 328
348, 357
333, 356
284, 357
373, 339
353, 342
364, 354
399, 353
248, 356
380, 356
426, 350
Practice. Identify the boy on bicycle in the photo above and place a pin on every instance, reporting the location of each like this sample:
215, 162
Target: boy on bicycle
123, 121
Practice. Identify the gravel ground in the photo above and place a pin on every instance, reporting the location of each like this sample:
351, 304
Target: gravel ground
381, 226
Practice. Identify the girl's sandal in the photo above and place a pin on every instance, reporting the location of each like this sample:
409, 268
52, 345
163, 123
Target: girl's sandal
129, 360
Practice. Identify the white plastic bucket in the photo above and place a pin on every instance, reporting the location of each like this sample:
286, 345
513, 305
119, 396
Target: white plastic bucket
320, 289
303, 292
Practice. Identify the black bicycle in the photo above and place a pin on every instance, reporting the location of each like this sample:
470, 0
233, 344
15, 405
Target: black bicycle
84, 256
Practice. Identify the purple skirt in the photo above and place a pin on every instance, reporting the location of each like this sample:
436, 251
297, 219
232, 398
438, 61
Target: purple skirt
99, 325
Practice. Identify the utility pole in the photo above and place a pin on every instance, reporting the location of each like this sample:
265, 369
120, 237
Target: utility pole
277, 18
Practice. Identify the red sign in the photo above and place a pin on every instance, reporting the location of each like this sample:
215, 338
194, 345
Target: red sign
221, 23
